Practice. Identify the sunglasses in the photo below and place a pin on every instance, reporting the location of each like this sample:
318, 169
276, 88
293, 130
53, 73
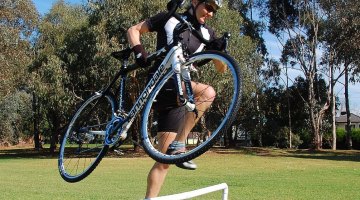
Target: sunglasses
209, 8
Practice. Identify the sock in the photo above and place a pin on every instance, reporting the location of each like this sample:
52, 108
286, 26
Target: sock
175, 145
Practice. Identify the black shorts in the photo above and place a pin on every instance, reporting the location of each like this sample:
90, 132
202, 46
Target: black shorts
170, 115
172, 120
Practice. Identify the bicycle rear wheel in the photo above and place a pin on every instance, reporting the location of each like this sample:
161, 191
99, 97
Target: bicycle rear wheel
218, 94
83, 147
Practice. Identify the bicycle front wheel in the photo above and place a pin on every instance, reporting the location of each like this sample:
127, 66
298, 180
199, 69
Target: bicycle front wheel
216, 83
82, 146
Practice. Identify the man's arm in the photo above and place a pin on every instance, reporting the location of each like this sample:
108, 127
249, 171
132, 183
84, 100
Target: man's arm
134, 33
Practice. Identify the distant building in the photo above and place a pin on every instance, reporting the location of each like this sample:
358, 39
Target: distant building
341, 121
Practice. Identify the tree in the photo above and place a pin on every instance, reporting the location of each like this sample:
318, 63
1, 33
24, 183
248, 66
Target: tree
299, 23
16, 118
341, 33
111, 20
64, 46
253, 29
18, 21
73, 55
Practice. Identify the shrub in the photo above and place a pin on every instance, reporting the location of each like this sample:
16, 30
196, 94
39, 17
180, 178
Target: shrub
355, 134
15, 117
282, 139
341, 138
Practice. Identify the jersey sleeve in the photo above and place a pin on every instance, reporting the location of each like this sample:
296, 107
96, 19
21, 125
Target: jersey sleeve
211, 33
156, 22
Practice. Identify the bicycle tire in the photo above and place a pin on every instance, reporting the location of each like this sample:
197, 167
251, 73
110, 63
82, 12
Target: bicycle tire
82, 146
228, 86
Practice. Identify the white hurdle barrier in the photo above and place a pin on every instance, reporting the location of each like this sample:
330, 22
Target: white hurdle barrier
195, 193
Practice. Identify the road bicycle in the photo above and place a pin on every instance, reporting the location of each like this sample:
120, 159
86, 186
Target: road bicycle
103, 121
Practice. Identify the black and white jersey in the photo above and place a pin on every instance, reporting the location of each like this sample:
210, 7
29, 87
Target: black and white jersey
165, 30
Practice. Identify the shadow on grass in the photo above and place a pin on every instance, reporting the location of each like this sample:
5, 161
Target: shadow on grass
44, 153
27, 153
338, 155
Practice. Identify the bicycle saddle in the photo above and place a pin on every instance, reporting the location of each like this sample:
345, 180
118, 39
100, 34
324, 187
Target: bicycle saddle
122, 55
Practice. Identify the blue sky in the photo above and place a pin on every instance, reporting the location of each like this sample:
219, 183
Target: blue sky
43, 6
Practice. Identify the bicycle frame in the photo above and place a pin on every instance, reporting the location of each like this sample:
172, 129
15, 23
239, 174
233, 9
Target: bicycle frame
102, 122
173, 62
122, 121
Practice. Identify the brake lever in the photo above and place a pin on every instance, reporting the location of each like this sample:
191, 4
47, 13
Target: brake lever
226, 37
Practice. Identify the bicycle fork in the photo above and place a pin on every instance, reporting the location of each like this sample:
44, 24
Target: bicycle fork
182, 73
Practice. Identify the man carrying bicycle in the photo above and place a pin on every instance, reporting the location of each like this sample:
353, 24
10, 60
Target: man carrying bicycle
172, 132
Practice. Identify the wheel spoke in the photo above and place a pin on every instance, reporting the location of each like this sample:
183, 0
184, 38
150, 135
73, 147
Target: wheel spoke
83, 145
217, 99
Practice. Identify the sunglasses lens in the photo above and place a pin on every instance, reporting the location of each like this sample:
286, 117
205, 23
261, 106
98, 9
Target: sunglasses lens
210, 8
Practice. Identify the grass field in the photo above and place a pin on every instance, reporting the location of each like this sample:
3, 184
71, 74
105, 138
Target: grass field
250, 174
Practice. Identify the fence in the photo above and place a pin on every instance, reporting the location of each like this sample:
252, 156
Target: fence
195, 193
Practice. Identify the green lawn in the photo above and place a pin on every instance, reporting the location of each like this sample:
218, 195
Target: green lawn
250, 174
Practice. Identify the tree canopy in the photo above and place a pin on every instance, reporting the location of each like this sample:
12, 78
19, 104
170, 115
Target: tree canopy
50, 64
18, 23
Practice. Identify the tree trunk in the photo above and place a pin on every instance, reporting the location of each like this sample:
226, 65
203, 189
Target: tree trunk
258, 121
333, 111
35, 107
316, 115
313, 115
289, 108
348, 120
231, 140
333, 104
54, 132
319, 119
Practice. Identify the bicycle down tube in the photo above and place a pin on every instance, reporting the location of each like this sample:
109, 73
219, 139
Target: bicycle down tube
165, 67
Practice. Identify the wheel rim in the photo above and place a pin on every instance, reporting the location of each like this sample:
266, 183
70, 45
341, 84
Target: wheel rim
227, 88
83, 143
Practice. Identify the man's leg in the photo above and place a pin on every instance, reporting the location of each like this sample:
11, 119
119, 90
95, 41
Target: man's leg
159, 171
204, 97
